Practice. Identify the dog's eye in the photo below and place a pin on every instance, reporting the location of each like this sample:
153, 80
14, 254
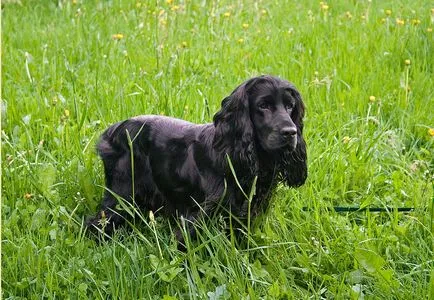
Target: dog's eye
264, 105
288, 107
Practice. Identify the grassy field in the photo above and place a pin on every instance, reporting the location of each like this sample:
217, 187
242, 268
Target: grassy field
366, 72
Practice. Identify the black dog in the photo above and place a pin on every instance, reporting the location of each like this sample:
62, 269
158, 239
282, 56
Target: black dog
182, 168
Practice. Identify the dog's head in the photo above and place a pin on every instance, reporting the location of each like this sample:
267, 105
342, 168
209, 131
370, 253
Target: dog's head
276, 110
263, 114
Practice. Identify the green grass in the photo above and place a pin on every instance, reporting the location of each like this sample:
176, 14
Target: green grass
65, 78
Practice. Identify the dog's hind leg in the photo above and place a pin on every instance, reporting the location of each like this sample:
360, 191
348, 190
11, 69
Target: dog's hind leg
119, 182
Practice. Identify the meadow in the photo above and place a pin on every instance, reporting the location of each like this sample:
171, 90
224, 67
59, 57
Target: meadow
70, 68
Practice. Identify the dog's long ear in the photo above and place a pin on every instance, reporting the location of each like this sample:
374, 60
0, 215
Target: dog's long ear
293, 169
234, 132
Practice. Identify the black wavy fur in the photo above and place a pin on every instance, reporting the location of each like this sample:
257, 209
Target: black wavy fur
179, 166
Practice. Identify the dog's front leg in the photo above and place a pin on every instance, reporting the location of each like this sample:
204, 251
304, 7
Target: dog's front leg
208, 209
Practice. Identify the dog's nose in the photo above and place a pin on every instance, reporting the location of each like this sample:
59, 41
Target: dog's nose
287, 132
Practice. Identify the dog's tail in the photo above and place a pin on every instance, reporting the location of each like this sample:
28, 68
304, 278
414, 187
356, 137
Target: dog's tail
114, 146
114, 142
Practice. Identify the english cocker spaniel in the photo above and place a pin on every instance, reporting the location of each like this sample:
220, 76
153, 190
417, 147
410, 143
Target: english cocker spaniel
183, 169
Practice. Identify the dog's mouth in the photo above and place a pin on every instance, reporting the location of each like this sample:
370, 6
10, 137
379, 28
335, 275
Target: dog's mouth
293, 145
290, 142
276, 142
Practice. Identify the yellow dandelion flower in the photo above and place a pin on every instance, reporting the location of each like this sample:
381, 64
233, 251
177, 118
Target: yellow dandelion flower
415, 22
28, 196
400, 21
245, 25
348, 15
264, 12
388, 12
324, 7
431, 131
227, 14
346, 139
240, 41
407, 62
383, 20
429, 29
169, 1
117, 36
372, 98
66, 112
74, 1
174, 8
184, 44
